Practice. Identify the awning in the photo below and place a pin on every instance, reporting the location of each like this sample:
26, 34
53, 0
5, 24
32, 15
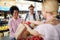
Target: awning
4, 8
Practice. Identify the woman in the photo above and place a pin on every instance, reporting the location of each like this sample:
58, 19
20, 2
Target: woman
47, 30
14, 21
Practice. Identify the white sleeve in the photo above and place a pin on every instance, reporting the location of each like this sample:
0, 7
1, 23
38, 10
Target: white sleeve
39, 29
48, 32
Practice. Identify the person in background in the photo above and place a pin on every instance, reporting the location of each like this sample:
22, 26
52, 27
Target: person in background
14, 21
31, 16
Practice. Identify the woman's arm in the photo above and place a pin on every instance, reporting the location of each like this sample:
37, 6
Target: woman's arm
33, 32
35, 22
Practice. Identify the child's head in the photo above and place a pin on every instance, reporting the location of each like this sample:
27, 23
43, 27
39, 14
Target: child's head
14, 11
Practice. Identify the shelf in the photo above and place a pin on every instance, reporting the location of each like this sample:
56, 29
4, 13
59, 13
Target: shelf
4, 30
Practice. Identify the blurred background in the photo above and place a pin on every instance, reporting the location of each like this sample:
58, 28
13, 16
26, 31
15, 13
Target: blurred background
23, 9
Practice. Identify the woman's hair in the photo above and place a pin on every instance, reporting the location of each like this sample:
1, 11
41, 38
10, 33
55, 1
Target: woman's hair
13, 8
50, 6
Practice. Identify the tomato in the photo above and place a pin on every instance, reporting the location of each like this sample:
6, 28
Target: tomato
36, 38
28, 23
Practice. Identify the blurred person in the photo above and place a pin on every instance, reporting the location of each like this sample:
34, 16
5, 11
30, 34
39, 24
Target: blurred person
49, 29
31, 16
14, 21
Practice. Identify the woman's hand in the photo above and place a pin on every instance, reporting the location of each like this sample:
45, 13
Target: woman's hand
31, 31
27, 26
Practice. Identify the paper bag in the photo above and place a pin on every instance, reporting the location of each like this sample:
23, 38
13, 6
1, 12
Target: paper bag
19, 30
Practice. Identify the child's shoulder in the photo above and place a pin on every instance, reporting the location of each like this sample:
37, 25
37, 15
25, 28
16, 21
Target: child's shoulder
10, 19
